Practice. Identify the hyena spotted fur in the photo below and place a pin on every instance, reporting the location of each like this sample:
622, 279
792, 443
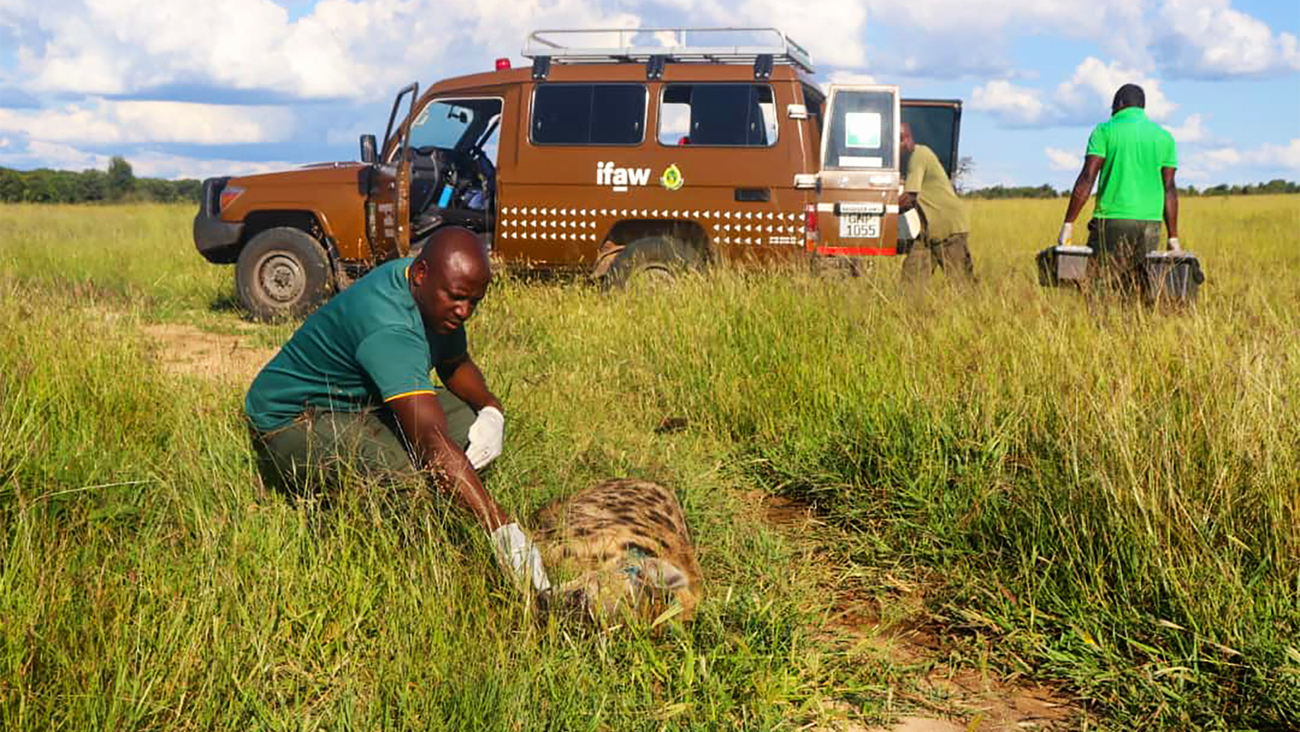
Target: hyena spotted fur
619, 548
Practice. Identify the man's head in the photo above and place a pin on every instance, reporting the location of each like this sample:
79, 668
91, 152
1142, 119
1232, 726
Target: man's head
449, 278
905, 140
1129, 95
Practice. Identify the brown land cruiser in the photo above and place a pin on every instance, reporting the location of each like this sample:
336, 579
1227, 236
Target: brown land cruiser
620, 153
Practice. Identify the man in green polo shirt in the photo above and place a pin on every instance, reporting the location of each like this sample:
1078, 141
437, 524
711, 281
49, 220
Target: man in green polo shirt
947, 217
1136, 161
351, 390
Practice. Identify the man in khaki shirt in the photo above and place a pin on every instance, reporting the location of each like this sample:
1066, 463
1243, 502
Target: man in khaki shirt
947, 217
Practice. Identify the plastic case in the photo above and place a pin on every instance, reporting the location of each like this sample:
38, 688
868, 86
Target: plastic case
1063, 264
1173, 276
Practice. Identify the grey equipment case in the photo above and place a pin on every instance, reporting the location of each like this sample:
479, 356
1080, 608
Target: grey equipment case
1173, 276
1060, 265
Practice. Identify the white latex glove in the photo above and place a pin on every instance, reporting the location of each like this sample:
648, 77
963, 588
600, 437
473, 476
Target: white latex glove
1174, 246
486, 436
1064, 238
518, 555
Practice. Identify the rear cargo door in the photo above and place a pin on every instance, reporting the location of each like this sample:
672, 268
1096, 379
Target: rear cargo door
857, 200
388, 210
936, 123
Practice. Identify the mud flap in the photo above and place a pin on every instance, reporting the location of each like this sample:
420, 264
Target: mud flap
605, 258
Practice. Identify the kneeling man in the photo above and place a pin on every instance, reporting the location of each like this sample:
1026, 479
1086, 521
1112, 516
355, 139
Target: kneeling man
352, 386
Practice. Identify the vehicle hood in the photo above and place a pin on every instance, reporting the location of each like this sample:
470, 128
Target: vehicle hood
314, 174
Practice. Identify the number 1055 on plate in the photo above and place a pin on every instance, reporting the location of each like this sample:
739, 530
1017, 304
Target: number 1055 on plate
859, 226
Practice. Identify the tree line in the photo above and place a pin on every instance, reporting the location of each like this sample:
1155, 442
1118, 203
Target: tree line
1277, 185
118, 184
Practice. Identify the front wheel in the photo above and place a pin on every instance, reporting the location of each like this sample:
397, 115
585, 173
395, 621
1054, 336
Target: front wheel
282, 273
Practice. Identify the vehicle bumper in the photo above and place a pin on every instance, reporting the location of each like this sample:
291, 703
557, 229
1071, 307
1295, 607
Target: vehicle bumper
217, 240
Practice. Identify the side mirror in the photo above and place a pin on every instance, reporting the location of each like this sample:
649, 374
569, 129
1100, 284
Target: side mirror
368, 151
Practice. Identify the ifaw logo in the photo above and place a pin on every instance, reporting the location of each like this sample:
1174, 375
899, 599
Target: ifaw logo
620, 178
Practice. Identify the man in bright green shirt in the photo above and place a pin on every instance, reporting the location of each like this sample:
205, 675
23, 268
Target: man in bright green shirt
1133, 162
351, 392
947, 217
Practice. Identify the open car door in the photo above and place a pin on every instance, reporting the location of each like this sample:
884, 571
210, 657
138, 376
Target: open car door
388, 209
936, 123
857, 198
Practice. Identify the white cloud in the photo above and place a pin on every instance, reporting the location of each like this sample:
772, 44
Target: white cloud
834, 32
145, 164
1014, 104
1084, 98
37, 154
103, 122
342, 48
1191, 131
847, 78
161, 165
850, 77
1235, 163
1209, 39
1087, 95
1058, 159
971, 35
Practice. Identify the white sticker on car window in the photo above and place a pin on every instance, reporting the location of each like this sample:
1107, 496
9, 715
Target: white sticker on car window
857, 161
862, 129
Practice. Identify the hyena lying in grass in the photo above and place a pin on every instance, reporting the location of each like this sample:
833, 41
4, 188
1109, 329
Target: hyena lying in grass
620, 550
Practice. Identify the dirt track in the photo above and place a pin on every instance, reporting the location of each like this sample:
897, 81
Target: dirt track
185, 349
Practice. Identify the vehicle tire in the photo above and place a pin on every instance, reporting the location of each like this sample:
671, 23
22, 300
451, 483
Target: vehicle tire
282, 273
653, 260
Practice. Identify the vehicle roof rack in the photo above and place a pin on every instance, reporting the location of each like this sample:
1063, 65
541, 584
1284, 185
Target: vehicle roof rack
681, 45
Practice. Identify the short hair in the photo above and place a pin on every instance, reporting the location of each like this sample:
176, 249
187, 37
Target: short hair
1129, 95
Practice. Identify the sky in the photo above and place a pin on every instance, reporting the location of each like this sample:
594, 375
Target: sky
196, 88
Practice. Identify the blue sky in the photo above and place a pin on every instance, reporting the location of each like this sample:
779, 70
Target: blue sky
191, 88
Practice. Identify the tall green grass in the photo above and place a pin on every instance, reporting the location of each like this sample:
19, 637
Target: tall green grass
1095, 494
141, 255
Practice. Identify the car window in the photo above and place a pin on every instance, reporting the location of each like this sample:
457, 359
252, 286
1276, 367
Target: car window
453, 123
589, 114
861, 134
813, 100
717, 114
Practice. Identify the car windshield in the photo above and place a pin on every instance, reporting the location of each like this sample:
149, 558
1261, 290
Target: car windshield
444, 123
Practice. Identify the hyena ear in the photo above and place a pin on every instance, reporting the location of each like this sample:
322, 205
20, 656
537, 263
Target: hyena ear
662, 575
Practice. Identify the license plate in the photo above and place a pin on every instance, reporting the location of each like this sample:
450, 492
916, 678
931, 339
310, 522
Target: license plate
859, 226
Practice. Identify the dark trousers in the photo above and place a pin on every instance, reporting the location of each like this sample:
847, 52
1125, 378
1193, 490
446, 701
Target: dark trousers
322, 449
951, 254
1120, 247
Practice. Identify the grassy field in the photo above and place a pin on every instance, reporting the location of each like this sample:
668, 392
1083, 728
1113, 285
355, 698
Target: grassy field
1103, 498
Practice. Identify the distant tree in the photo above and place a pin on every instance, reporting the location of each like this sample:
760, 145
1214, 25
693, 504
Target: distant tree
962, 172
121, 179
188, 189
12, 185
92, 186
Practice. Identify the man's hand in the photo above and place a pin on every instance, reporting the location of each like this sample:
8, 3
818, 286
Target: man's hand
1063, 238
519, 556
1174, 246
486, 437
